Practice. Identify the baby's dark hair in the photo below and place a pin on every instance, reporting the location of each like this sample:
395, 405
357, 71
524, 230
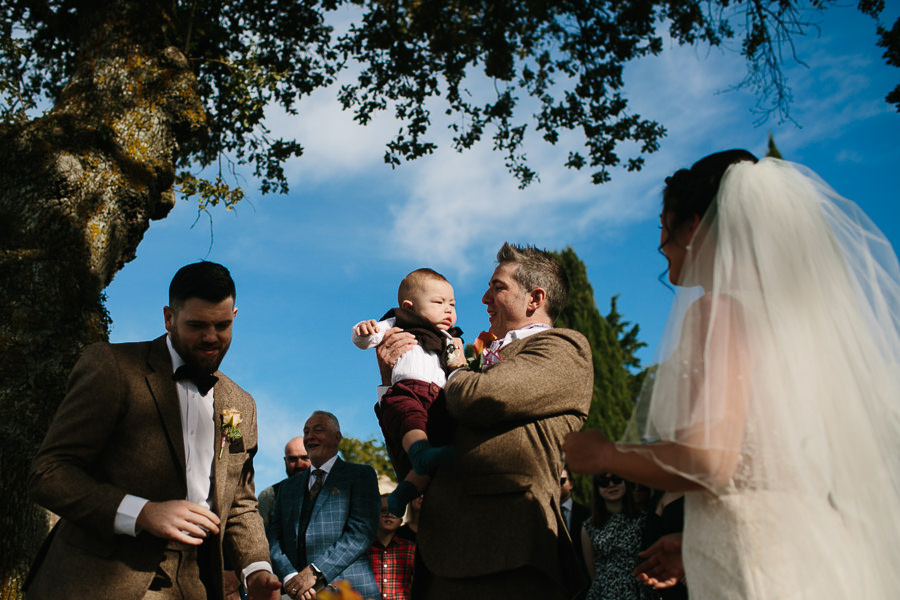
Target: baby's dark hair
414, 280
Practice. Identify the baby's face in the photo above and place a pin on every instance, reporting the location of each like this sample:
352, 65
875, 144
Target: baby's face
434, 302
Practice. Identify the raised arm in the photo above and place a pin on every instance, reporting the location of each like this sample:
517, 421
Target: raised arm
550, 370
706, 389
395, 344
369, 333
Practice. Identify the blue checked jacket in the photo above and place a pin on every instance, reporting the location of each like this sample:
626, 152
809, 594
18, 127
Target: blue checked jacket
342, 526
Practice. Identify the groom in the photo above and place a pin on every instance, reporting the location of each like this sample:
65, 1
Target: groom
149, 464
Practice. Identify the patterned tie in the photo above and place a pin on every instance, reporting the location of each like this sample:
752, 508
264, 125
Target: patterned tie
319, 474
306, 512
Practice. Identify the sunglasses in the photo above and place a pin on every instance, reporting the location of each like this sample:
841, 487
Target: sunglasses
607, 481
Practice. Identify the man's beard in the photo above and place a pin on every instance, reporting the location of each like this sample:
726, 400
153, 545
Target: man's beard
206, 364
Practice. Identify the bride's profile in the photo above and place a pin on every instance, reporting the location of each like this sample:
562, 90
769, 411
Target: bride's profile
775, 400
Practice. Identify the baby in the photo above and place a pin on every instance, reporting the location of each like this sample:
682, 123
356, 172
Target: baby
428, 311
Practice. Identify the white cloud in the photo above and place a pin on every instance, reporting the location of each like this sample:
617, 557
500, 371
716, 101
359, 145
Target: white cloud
450, 209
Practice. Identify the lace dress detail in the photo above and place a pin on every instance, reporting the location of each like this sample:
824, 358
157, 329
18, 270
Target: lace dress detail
616, 545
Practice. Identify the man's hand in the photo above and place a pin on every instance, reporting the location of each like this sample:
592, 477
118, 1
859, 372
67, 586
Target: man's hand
662, 566
179, 521
458, 357
395, 344
301, 585
366, 328
586, 451
263, 585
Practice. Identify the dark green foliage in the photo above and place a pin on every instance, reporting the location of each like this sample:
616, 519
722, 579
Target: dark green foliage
890, 41
564, 60
370, 452
614, 343
246, 55
773, 150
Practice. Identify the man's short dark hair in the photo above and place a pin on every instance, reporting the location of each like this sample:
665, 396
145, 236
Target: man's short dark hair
538, 269
204, 280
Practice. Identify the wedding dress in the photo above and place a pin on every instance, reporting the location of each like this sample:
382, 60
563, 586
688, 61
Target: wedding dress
778, 380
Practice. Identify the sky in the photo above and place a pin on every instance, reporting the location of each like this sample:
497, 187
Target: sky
310, 264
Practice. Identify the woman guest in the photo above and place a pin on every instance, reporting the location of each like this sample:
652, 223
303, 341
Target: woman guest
776, 401
611, 540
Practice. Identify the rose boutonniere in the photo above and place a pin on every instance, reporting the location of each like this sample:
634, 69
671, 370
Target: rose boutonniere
476, 362
231, 420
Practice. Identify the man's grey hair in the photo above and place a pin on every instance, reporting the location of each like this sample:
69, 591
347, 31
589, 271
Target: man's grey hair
538, 269
330, 417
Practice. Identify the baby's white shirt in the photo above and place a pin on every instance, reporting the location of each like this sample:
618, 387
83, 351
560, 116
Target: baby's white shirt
414, 364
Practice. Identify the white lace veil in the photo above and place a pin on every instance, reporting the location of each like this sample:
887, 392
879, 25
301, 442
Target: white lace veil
780, 367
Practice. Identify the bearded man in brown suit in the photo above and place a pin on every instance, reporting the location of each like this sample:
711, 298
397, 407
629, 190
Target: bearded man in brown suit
149, 464
490, 524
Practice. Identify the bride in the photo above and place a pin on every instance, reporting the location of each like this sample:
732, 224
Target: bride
775, 403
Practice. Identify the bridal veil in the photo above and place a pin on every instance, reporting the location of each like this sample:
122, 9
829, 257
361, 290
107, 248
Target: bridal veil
779, 375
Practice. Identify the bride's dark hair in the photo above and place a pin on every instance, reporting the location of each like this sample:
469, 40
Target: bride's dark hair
691, 191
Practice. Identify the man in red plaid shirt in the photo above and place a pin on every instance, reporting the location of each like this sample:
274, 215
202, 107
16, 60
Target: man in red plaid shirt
392, 557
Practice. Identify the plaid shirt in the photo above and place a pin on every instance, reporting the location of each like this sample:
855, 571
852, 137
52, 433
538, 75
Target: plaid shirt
393, 567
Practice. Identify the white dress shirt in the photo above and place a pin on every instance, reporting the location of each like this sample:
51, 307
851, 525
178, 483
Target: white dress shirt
198, 428
416, 363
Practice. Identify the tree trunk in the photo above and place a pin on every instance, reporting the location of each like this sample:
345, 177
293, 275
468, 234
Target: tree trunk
78, 188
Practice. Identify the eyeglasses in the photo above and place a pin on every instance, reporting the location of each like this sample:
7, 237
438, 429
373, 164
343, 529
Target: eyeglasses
607, 481
386, 513
303, 458
563, 480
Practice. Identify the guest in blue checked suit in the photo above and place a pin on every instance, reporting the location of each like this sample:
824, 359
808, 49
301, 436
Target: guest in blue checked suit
325, 518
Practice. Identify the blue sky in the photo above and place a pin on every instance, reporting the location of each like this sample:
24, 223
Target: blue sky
311, 264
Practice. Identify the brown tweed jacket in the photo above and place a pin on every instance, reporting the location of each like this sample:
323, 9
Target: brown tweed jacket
496, 507
118, 431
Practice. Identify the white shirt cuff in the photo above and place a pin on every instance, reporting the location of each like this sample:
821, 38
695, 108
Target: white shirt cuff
381, 390
252, 568
127, 513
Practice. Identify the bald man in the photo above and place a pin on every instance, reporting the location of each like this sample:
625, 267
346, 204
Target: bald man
296, 460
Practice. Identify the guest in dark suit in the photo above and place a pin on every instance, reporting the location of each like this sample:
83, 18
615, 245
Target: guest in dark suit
491, 519
295, 462
152, 477
325, 518
574, 516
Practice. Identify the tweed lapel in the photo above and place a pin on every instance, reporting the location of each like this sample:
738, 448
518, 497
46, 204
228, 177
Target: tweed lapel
222, 399
162, 387
514, 347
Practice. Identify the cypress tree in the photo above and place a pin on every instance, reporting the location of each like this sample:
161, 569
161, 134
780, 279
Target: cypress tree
613, 344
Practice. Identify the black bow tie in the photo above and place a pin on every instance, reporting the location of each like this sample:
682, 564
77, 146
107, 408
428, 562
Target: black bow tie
202, 380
